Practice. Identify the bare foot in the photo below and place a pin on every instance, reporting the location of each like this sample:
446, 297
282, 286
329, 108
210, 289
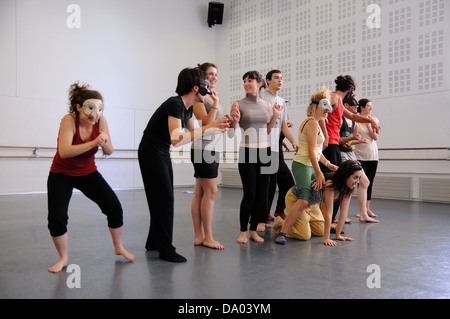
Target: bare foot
277, 225
261, 227
58, 266
242, 237
198, 241
367, 220
254, 236
371, 214
213, 244
124, 253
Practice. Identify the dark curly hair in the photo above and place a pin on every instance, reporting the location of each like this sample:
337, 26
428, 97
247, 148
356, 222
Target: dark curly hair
80, 93
339, 178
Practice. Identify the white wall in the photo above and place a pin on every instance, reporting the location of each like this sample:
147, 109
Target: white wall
130, 51
402, 66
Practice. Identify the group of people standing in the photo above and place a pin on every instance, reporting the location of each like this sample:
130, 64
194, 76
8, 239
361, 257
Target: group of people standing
261, 116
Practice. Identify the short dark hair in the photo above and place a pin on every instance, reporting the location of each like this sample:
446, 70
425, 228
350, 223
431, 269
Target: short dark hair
270, 73
187, 79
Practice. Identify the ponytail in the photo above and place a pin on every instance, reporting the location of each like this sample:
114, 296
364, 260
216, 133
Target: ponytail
80, 93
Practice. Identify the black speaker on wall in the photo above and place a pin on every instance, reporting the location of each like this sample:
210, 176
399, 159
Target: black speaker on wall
215, 13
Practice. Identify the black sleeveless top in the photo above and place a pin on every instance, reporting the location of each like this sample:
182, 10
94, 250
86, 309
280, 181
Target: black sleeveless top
346, 131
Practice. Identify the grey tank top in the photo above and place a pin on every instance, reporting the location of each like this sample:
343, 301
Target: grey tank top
254, 118
211, 143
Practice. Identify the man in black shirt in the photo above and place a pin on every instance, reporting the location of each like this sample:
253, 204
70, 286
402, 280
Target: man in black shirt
171, 124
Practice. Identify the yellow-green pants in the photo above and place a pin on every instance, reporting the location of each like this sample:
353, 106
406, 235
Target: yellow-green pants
310, 222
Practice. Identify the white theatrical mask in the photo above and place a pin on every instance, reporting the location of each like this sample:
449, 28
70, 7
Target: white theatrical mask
325, 105
93, 108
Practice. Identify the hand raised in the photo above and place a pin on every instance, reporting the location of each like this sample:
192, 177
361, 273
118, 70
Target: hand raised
277, 109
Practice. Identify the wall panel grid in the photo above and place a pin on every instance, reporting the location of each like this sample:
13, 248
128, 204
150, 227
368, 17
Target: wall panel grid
319, 40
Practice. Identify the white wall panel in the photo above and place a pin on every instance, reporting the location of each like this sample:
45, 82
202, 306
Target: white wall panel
400, 65
130, 51
8, 48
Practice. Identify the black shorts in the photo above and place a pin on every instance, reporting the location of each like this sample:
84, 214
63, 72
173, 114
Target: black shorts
206, 163
333, 154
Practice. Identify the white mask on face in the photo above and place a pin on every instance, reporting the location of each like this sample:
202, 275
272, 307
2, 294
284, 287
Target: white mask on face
93, 108
325, 105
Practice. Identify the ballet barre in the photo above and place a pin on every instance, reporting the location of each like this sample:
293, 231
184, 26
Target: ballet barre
225, 154
415, 158
35, 155
440, 148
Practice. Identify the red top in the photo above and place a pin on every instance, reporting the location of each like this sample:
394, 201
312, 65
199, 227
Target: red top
333, 123
82, 164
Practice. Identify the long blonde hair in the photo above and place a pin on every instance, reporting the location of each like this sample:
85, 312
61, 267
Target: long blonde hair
324, 93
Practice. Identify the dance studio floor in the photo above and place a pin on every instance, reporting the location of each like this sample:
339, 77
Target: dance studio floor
405, 256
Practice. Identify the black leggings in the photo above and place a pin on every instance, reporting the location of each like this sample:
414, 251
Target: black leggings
283, 177
253, 164
157, 176
94, 186
370, 168
333, 154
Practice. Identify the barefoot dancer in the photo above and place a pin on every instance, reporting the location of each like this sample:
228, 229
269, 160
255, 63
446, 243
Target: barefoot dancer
81, 133
350, 132
339, 189
367, 154
252, 114
345, 86
205, 156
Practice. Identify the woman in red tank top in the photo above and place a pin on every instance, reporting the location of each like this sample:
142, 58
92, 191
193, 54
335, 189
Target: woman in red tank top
345, 86
81, 133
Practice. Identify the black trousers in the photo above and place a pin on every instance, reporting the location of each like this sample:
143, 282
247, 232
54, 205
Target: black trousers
157, 176
370, 168
333, 154
59, 191
283, 177
253, 169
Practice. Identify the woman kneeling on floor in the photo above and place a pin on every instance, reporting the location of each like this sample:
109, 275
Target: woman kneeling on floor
338, 185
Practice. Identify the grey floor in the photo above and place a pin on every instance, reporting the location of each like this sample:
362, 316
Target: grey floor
410, 246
